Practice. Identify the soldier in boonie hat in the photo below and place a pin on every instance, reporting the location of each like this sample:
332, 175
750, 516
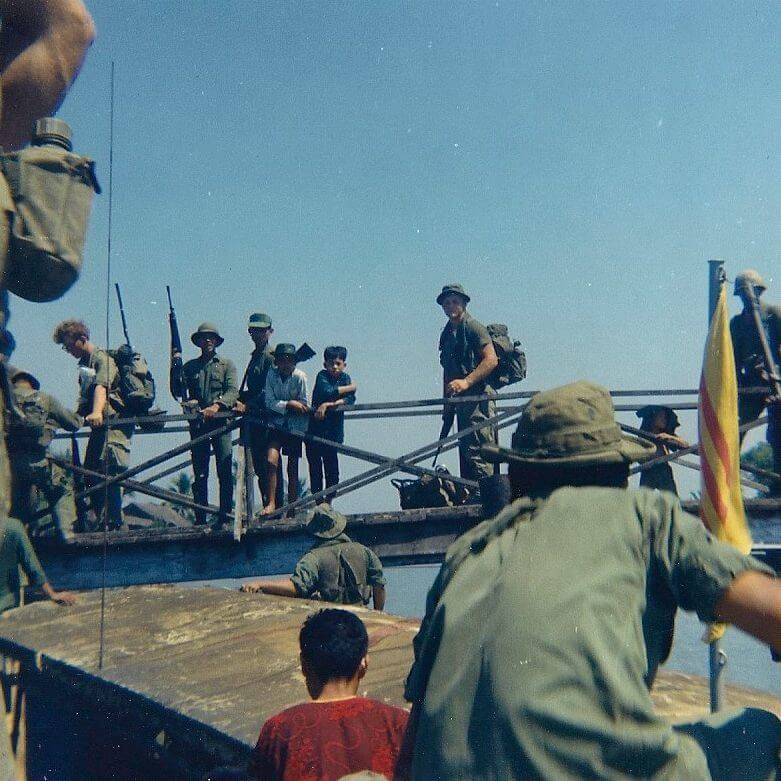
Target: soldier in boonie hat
453, 289
325, 522
573, 425
206, 329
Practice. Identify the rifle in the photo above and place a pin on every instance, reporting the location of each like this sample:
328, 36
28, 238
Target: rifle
176, 384
304, 353
122, 315
448, 418
767, 353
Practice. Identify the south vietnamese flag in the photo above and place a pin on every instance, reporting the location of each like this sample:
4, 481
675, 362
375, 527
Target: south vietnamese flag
721, 504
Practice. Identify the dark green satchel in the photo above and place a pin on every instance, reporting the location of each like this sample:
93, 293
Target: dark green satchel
52, 190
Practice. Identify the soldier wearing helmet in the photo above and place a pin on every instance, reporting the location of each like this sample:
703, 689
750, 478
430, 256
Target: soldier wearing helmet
750, 359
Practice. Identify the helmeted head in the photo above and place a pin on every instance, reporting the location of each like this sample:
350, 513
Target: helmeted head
749, 278
655, 416
570, 426
204, 330
325, 523
22, 375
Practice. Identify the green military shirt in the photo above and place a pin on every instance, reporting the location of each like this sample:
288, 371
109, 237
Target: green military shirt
212, 381
544, 625
461, 350
98, 368
16, 550
746, 345
316, 575
259, 363
44, 415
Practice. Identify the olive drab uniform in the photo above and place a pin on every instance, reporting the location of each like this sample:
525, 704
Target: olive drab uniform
460, 352
338, 570
28, 442
108, 449
212, 381
524, 671
750, 367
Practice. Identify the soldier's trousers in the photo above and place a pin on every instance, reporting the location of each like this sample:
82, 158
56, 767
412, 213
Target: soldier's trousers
108, 452
29, 471
223, 455
473, 465
739, 745
749, 409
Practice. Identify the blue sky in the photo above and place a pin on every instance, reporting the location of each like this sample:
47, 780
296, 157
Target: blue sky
573, 165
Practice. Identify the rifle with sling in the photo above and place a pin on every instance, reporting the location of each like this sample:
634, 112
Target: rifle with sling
448, 418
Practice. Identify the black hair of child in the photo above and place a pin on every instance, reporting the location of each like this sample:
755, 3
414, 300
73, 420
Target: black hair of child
335, 351
333, 642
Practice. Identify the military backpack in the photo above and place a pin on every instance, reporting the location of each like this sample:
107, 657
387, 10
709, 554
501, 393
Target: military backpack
135, 384
430, 491
28, 430
512, 359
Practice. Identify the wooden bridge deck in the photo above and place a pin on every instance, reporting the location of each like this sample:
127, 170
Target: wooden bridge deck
189, 676
199, 553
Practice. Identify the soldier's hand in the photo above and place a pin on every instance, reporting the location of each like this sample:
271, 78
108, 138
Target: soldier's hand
252, 588
210, 412
456, 386
94, 419
63, 598
240, 407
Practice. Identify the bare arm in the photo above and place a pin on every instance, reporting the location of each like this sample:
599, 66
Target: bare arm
44, 43
95, 418
488, 362
753, 603
378, 597
60, 597
280, 587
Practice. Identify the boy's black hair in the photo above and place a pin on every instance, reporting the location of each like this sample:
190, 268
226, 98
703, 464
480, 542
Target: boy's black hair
333, 642
335, 351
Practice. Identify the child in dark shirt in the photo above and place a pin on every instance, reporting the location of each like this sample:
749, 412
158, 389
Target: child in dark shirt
333, 390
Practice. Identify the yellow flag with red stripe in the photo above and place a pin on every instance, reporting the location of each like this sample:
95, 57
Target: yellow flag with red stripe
721, 504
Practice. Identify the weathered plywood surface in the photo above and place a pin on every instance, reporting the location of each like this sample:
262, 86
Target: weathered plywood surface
230, 660
226, 659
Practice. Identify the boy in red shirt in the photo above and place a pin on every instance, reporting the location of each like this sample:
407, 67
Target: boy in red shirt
339, 732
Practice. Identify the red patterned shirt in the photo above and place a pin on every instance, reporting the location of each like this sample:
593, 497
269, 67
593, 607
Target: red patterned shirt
323, 741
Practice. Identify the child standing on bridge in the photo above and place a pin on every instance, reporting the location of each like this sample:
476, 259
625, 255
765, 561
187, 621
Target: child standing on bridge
333, 391
286, 401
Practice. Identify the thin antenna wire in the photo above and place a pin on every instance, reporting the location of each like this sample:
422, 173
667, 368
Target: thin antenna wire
108, 312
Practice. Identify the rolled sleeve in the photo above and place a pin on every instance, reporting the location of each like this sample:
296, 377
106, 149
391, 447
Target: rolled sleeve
105, 369
374, 574
304, 578
477, 336
696, 566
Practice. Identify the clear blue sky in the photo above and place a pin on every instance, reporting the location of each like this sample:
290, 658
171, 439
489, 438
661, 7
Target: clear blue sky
573, 165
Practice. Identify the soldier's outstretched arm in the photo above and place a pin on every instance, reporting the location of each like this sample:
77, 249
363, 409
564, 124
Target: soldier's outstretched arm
752, 602
63, 417
43, 45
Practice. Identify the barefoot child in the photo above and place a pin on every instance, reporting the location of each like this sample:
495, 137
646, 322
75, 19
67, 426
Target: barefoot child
286, 402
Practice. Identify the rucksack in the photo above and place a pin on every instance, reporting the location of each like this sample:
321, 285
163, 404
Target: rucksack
352, 590
135, 384
512, 359
29, 431
429, 491
52, 191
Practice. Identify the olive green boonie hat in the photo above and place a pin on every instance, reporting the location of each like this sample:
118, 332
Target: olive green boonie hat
325, 522
259, 320
202, 330
283, 349
454, 289
573, 425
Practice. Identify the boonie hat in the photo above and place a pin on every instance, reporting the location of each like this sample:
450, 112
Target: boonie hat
284, 348
572, 425
259, 320
454, 289
650, 411
206, 328
20, 374
325, 522
748, 277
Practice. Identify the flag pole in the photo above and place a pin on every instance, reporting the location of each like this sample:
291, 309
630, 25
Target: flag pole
717, 658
